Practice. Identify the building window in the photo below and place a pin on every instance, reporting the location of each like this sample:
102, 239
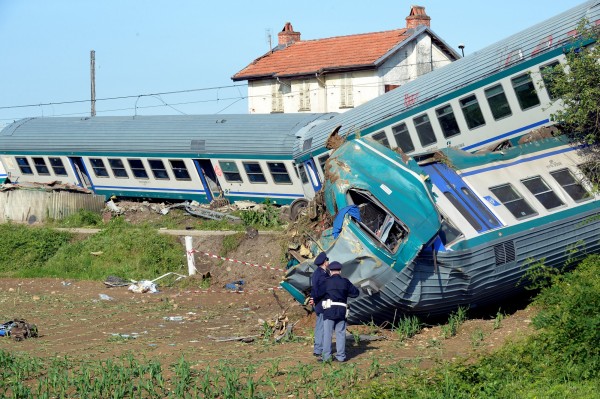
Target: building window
525, 91
158, 169
276, 97
346, 94
424, 130
24, 165
402, 138
137, 168
513, 201
279, 173
304, 96
550, 73
40, 166
381, 137
57, 166
98, 167
571, 185
497, 102
538, 187
254, 172
447, 121
230, 171
179, 170
472, 112
118, 168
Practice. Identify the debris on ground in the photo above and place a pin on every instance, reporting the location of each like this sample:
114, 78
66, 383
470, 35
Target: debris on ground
235, 285
116, 281
143, 286
18, 329
196, 209
105, 297
245, 339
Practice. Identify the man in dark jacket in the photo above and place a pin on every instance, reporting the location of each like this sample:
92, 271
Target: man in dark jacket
335, 303
317, 281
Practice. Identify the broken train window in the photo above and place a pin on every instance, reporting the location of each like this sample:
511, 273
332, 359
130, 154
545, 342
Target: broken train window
377, 221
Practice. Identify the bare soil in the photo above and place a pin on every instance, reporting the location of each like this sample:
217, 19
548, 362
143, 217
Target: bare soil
75, 322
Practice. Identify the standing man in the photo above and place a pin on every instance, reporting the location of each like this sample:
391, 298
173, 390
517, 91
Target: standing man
317, 281
335, 303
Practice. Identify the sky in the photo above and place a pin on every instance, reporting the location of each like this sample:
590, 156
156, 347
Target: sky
171, 57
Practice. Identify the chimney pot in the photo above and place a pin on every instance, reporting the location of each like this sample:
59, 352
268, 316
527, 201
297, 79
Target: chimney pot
287, 35
417, 17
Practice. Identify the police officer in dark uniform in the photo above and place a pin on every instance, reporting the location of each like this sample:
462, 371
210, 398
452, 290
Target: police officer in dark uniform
335, 304
317, 281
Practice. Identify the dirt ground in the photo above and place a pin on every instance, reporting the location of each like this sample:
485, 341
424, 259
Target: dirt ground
74, 320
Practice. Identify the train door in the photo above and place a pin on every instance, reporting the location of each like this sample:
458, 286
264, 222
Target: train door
209, 178
460, 195
81, 173
313, 175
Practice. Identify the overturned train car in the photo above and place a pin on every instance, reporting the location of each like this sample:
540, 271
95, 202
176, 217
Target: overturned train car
454, 229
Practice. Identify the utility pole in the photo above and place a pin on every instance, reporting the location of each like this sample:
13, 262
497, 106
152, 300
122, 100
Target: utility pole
93, 80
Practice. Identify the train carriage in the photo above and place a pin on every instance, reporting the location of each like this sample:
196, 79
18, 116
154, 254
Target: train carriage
200, 157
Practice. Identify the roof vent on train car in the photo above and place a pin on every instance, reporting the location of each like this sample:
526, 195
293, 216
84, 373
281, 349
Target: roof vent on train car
504, 252
198, 145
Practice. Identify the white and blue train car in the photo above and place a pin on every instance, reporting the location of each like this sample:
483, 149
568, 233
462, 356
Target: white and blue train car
195, 157
495, 94
456, 229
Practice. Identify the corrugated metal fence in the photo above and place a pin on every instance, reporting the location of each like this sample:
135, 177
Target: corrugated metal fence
38, 206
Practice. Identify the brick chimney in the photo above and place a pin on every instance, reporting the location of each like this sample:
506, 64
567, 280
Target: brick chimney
287, 35
417, 17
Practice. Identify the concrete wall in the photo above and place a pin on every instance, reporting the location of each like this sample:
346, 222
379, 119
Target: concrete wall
27, 206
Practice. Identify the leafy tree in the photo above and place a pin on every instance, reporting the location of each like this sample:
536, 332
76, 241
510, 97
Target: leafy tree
577, 86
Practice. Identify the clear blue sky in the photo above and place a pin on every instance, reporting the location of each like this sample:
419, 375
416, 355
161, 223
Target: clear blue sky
159, 46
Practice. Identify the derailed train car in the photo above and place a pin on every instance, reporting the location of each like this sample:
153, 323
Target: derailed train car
454, 229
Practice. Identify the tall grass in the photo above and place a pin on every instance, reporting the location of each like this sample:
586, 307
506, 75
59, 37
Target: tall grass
119, 249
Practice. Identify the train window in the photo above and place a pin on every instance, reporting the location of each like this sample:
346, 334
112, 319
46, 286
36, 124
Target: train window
307, 144
230, 171
377, 221
254, 172
381, 138
538, 187
424, 130
57, 166
303, 176
402, 137
137, 168
550, 73
448, 232
447, 121
472, 112
24, 165
179, 170
158, 169
525, 91
513, 201
571, 185
98, 167
117, 167
279, 173
40, 166
498, 102
322, 160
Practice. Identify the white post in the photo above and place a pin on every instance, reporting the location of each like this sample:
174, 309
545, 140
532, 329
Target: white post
189, 250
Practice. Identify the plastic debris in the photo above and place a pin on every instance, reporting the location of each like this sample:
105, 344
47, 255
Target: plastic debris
173, 318
143, 286
105, 297
235, 285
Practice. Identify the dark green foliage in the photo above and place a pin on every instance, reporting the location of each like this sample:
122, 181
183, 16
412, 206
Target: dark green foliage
269, 217
83, 218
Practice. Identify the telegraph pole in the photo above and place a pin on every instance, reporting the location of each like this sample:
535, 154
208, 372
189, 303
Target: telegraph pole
93, 80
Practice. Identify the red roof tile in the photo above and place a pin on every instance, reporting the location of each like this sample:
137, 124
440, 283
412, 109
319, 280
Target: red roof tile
311, 56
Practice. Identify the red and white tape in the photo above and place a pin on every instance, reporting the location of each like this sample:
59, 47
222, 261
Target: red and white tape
238, 261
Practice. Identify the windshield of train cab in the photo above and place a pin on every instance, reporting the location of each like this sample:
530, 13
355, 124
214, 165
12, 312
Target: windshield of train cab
380, 224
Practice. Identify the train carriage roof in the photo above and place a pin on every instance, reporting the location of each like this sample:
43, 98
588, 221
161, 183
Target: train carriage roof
268, 135
438, 84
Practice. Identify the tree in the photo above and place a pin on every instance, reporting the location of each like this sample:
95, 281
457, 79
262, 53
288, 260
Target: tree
577, 86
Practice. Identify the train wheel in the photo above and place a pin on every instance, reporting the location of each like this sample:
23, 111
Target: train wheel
298, 207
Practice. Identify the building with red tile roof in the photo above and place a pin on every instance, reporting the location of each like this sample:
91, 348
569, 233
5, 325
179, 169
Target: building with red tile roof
338, 73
